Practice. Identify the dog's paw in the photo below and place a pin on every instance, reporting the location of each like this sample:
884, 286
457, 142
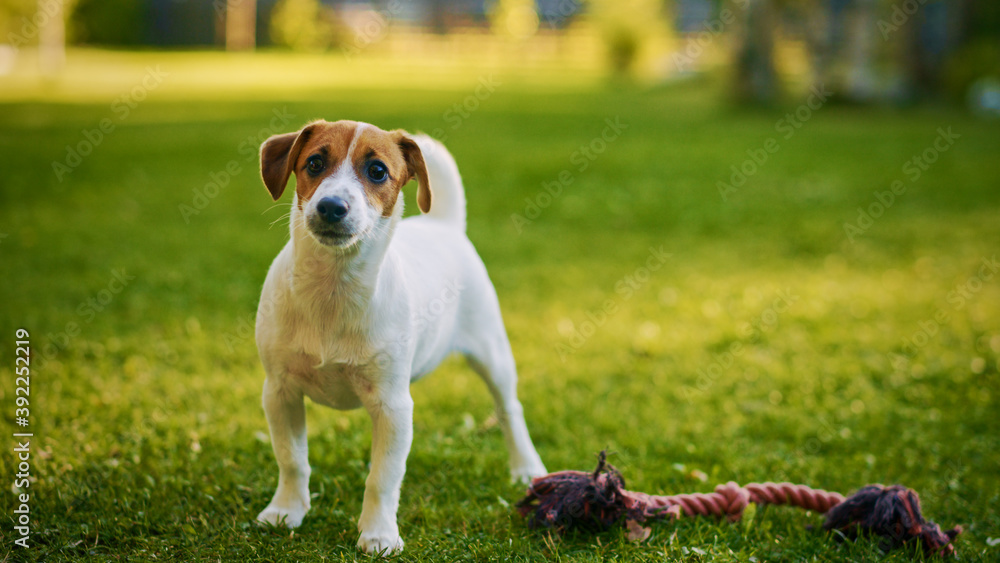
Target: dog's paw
380, 543
282, 516
525, 472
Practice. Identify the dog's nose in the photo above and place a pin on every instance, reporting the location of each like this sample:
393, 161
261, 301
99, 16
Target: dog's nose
332, 209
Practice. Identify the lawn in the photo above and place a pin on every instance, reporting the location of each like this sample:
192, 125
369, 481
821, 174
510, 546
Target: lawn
701, 334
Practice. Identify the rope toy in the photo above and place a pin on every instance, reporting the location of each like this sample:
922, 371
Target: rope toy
598, 501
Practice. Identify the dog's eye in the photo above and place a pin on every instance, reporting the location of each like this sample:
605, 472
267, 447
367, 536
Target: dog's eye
315, 164
377, 172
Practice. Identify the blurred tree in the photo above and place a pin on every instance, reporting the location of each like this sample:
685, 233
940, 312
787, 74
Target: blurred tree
868, 50
860, 84
52, 34
945, 46
437, 11
626, 26
36, 22
925, 44
301, 25
241, 25
755, 78
976, 61
173, 22
841, 36
110, 22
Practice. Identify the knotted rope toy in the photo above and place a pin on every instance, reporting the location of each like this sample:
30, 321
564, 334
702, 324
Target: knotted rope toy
598, 501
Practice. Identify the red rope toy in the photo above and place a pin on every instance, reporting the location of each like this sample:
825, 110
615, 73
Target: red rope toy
598, 501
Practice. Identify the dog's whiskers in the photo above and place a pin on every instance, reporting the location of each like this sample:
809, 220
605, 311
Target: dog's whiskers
377, 231
276, 205
281, 218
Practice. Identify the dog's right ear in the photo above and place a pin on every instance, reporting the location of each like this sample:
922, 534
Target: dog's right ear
277, 159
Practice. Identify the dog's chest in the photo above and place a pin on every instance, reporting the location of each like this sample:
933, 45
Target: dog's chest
329, 353
328, 325
334, 384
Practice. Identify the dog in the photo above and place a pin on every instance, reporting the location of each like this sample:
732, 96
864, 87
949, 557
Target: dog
360, 303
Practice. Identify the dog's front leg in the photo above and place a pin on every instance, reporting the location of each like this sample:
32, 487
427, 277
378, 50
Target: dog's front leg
286, 418
391, 409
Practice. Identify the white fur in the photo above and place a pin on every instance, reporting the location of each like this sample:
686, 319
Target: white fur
352, 326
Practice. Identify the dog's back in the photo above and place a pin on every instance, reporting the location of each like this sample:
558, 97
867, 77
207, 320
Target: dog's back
445, 274
449, 194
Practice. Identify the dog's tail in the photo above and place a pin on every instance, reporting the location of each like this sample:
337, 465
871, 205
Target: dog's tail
448, 201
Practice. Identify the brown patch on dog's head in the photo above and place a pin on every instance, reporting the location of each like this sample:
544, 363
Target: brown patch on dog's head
382, 161
311, 154
417, 167
397, 156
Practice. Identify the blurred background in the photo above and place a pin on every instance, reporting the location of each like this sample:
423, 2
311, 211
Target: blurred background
751, 240
864, 51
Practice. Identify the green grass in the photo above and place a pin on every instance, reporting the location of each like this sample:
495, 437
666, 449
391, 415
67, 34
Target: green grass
150, 442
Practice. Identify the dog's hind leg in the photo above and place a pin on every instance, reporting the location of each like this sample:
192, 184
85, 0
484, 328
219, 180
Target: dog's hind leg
286, 418
493, 360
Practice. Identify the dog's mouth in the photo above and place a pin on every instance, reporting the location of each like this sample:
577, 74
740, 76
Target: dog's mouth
335, 235
330, 237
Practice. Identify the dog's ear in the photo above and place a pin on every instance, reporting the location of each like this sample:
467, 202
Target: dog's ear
416, 167
277, 159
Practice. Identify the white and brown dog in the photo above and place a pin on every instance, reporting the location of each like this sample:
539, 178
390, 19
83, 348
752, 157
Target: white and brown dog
360, 303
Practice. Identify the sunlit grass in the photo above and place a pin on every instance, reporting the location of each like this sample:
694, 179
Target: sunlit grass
150, 440
445, 63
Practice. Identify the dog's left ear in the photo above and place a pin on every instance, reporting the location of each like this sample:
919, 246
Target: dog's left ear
416, 167
277, 159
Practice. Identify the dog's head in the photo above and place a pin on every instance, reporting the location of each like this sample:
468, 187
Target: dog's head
347, 175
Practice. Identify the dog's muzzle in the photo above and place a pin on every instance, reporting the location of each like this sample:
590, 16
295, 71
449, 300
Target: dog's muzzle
328, 223
332, 209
